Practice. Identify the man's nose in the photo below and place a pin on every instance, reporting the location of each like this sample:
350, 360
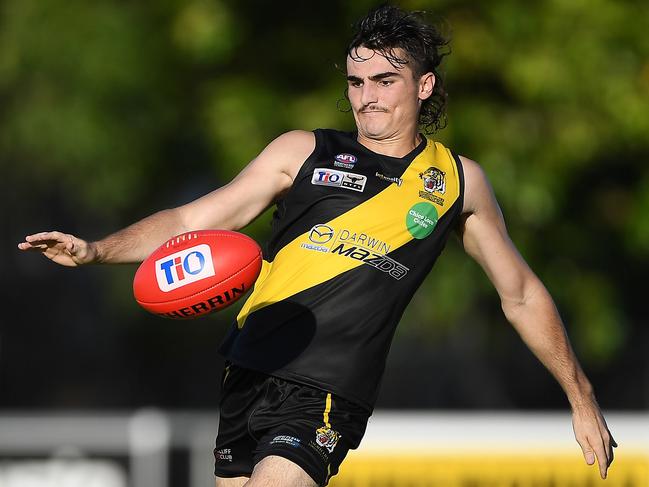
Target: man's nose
369, 94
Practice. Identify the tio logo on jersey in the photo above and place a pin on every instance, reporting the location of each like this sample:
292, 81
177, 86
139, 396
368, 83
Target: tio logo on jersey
184, 267
341, 179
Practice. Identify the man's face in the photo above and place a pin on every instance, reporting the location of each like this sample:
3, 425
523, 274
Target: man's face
385, 100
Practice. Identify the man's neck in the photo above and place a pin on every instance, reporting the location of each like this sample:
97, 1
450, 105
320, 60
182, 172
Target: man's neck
393, 147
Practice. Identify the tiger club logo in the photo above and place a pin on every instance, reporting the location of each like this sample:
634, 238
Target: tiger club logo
434, 182
327, 438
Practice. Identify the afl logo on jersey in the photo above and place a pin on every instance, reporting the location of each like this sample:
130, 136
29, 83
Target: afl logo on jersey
345, 160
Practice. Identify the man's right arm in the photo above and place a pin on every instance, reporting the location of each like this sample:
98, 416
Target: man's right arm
230, 207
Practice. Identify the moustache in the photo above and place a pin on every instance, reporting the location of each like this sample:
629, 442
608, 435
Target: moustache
374, 109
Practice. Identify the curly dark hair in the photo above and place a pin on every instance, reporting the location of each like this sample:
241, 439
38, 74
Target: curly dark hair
388, 28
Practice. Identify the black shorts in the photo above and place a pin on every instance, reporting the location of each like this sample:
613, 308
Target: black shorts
261, 415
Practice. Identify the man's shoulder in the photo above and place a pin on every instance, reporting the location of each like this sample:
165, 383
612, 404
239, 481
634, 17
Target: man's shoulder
301, 141
478, 189
295, 136
293, 142
287, 152
469, 165
316, 131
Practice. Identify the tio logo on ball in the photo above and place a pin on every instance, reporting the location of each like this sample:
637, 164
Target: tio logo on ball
184, 267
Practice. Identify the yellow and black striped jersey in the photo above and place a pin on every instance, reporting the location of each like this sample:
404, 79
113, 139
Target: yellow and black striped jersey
351, 242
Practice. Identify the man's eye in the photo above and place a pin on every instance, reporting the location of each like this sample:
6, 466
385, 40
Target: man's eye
385, 82
355, 84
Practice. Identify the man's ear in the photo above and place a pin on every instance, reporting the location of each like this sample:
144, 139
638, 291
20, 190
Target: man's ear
426, 85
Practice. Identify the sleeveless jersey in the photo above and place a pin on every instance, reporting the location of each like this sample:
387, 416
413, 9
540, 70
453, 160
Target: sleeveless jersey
351, 242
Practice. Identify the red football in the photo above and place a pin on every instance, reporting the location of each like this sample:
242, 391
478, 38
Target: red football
196, 273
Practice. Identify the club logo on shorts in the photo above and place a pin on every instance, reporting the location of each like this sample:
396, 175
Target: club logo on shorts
341, 179
327, 438
345, 160
434, 182
223, 455
184, 267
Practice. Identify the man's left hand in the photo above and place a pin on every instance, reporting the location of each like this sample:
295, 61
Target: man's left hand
593, 435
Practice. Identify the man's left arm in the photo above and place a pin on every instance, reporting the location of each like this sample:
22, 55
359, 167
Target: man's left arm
530, 309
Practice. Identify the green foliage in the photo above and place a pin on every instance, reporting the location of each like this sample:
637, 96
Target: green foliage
550, 97
83, 103
205, 31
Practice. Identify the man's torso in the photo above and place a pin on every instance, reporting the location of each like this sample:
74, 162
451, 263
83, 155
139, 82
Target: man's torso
351, 242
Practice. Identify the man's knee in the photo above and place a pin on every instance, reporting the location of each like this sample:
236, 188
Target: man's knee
275, 471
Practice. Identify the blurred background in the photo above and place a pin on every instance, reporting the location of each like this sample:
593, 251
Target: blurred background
112, 110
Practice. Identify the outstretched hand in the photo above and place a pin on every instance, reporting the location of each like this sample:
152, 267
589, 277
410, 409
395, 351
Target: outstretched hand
593, 435
62, 248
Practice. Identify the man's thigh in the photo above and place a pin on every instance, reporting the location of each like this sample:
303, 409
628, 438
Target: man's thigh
269, 472
274, 471
231, 482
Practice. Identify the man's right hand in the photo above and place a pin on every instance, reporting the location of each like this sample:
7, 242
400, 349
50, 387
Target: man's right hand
62, 248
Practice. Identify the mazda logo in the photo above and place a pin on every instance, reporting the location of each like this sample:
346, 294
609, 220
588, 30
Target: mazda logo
321, 234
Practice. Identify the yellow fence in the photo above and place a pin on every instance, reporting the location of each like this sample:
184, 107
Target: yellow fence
493, 470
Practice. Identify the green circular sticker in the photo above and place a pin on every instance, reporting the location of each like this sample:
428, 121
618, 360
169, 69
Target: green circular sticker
421, 220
